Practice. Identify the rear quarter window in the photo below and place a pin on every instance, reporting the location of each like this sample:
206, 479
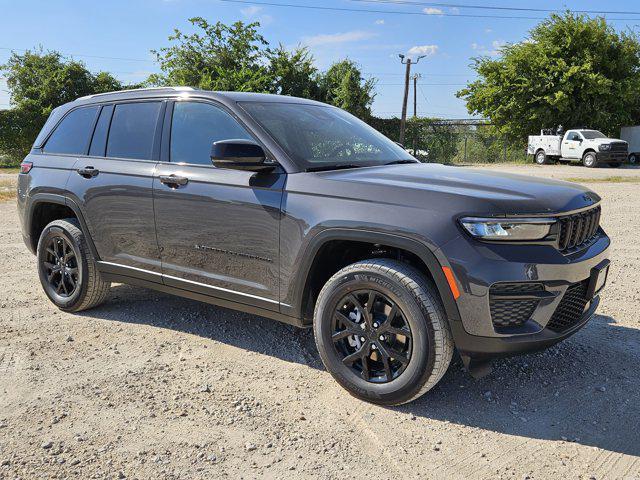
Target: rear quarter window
73, 134
132, 130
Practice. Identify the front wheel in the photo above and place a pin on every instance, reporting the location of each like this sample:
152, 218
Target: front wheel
67, 269
381, 331
590, 160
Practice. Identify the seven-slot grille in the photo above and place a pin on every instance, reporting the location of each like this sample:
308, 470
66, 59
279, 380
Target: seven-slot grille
578, 228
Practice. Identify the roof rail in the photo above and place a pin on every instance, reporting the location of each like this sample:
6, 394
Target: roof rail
176, 89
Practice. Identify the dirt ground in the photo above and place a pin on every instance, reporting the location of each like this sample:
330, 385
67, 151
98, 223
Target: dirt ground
153, 386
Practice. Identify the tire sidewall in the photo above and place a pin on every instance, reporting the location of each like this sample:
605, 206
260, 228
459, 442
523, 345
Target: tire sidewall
59, 230
422, 359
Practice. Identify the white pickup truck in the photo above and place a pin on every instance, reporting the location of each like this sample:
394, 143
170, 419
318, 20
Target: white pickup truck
591, 147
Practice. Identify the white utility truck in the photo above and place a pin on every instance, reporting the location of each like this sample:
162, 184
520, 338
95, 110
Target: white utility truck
631, 135
590, 147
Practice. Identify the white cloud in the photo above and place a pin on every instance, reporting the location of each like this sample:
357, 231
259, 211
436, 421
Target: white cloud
256, 13
493, 51
422, 50
488, 30
454, 10
432, 11
337, 38
379, 22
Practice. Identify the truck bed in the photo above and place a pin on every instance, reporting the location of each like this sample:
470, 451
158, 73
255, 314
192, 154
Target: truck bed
549, 143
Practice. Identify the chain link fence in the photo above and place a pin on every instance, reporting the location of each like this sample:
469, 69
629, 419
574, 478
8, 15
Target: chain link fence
453, 141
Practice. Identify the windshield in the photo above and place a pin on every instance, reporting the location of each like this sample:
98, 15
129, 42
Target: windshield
317, 136
591, 134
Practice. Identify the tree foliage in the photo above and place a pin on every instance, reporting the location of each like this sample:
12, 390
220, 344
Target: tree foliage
237, 57
572, 70
38, 83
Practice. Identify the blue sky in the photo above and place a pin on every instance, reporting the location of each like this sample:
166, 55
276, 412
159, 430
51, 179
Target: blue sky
127, 30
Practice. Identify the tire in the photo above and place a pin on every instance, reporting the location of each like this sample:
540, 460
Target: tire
541, 158
417, 300
633, 158
77, 284
590, 160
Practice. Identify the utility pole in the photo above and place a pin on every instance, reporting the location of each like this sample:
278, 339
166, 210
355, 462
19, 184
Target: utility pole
416, 76
408, 63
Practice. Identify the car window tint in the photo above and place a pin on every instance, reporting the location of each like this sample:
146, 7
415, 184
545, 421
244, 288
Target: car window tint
194, 128
72, 134
99, 141
132, 130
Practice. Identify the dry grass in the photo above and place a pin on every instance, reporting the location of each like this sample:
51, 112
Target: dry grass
7, 190
614, 179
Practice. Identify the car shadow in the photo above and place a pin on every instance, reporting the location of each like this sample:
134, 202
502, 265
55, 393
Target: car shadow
583, 390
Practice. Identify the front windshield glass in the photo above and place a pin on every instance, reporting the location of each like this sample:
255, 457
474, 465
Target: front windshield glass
591, 134
317, 136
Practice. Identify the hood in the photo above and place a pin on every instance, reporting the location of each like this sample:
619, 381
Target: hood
601, 141
465, 189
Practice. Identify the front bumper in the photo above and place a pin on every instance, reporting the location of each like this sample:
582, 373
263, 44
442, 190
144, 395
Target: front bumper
477, 266
612, 157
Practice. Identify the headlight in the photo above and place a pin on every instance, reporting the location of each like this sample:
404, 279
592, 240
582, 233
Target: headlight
604, 146
508, 229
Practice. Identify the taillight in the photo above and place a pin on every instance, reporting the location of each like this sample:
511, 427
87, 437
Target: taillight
25, 167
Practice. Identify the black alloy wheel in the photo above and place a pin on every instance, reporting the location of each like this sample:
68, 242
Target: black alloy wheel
372, 336
61, 267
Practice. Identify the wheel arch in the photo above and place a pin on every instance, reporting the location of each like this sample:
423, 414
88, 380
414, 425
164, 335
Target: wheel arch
316, 251
34, 221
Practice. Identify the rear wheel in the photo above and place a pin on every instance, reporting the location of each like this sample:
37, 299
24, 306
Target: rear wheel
381, 331
633, 158
67, 269
541, 158
589, 159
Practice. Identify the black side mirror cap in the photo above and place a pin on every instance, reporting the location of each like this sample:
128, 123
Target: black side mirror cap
240, 154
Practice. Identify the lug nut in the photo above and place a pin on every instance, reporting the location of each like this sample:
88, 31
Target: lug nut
362, 339
373, 347
381, 337
375, 325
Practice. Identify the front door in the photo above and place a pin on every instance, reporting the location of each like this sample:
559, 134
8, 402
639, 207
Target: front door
571, 145
217, 229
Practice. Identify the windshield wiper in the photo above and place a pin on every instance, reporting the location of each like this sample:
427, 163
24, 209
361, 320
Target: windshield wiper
337, 166
399, 162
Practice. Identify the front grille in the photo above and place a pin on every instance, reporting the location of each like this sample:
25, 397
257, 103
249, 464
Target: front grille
512, 312
570, 308
618, 147
578, 229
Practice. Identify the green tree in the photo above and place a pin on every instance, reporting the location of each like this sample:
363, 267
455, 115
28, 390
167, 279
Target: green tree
293, 73
343, 86
38, 82
217, 57
572, 70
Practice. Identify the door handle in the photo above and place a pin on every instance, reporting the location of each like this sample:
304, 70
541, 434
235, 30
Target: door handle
88, 172
173, 180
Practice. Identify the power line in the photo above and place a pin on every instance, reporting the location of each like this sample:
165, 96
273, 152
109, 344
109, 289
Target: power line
493, 7
396, 12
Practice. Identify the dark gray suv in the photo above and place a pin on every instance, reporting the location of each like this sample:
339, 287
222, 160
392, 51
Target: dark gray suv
298, 211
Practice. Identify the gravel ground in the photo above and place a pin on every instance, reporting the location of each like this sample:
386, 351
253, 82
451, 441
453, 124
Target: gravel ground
154, 386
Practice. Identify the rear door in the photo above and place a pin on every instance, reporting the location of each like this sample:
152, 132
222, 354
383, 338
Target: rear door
218, 229
114, 183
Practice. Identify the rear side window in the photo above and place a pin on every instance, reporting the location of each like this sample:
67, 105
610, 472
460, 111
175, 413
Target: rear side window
194, 128
72, 135
99, 141
132, 130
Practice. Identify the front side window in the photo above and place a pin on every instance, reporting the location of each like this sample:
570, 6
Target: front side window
317, 136
72, 135
194, 128
591, 134
132, 130
575, 136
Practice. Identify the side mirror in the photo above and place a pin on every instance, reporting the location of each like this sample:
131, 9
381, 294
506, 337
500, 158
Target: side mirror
240, 154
